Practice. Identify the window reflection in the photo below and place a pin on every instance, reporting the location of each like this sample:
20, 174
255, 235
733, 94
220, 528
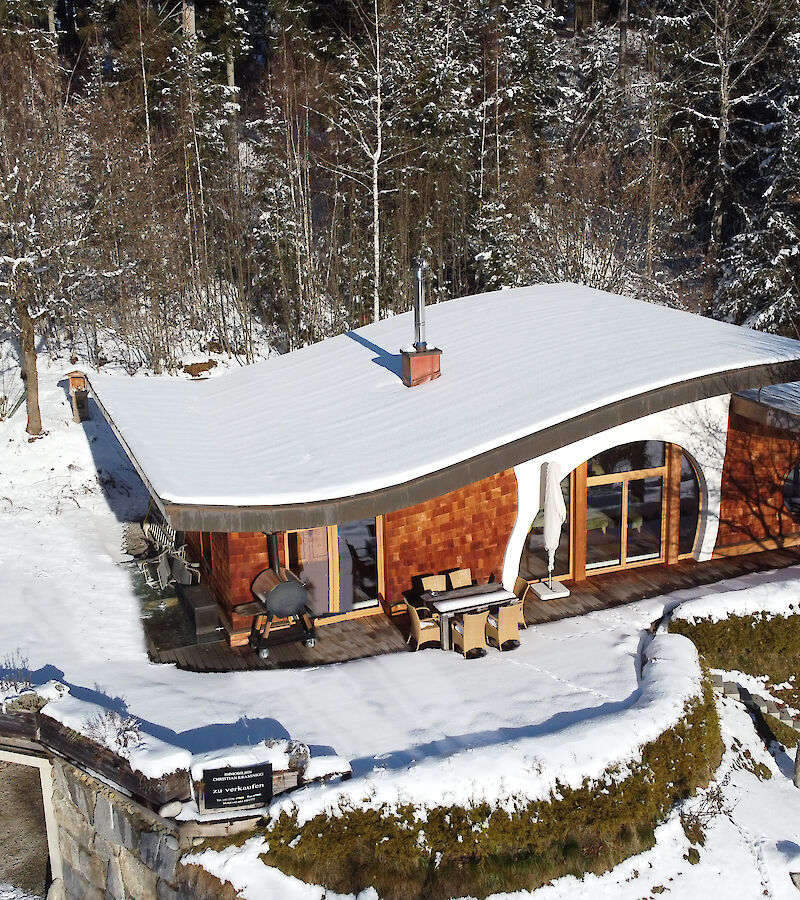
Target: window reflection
603, 525
690, 507
358, 565
308, 559
533, 563
628, 458
644, 519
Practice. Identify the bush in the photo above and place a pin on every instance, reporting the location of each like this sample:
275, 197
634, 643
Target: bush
453, 851
757, 645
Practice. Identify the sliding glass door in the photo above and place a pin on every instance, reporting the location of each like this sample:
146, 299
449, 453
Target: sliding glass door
339, 564
625, 506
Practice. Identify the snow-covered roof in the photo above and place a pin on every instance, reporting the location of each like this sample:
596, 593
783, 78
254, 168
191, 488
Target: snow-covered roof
523, 371
776, 405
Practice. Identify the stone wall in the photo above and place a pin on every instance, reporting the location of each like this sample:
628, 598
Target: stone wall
757, 459
111, 847
468, 528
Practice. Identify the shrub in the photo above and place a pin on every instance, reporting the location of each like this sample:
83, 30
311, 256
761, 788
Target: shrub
453, 851
757, 645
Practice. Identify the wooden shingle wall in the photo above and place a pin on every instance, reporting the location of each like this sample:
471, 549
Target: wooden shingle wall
236, 560
247, 556
468, 528
752, 515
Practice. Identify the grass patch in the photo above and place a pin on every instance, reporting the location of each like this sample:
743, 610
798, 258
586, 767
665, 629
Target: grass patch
195, 881
479, 850
786, 735
757, 645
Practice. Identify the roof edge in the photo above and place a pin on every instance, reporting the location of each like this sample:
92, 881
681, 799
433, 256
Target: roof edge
199, 517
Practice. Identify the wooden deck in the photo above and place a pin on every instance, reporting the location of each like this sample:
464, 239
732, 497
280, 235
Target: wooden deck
378, 635
616, 588
344, 641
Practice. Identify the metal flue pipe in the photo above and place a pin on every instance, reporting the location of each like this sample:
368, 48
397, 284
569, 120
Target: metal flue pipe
420, 265
272, 551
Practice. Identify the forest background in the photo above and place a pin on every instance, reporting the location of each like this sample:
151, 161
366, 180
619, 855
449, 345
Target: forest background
220, 176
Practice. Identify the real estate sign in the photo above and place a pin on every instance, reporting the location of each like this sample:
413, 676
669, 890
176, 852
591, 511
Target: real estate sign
242, 787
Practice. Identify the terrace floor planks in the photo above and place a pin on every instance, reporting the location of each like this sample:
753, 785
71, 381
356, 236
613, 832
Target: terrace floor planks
377, 635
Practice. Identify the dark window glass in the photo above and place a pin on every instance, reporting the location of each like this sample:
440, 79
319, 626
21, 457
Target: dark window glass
791, 492
690, 507
644, 519
358, 565
533, 563
603, 525
628, 458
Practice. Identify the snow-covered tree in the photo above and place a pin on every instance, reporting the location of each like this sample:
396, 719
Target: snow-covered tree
760, 284
39, 223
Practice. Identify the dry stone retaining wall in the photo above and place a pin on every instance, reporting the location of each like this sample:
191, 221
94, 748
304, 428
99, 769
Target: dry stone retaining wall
111, 847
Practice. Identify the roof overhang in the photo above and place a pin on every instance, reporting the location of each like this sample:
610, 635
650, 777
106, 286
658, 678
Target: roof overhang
196, 517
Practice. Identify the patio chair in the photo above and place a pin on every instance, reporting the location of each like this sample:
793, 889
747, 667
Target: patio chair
503, 626
434, 583
184, 572
424, 629
469, 632
460, 578
521, 589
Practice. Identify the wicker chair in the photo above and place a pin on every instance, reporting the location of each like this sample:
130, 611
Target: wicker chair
434, 583
521, 589
503, 626
424, 629
469, 632
460, 578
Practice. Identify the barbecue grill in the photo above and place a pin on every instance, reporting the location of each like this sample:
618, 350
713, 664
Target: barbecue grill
278, 595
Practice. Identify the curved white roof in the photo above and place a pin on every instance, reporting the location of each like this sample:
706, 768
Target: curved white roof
334, 420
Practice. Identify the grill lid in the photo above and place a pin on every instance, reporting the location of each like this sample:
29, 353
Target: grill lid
283, 595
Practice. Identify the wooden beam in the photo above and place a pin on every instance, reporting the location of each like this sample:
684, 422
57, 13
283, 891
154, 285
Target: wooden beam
672, 486
579, 525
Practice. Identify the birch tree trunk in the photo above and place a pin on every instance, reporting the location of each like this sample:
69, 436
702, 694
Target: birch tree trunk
376, 161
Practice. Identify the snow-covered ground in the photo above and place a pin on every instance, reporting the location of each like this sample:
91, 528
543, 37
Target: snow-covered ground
752, 842
9, 892
69, 608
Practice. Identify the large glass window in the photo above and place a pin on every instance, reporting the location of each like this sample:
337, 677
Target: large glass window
533, 563
358, 565
644, 519
628, 458
338, 565
603, 525
625, 505
308, 559
791, 492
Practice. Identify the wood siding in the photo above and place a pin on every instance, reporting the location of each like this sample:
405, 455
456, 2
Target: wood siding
236, 559
757, 460
468, 528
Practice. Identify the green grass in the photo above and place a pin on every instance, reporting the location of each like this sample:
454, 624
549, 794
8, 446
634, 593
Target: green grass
757, 645
478, 850
787, 736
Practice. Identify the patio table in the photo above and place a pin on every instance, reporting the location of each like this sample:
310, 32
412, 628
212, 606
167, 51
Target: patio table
474, 598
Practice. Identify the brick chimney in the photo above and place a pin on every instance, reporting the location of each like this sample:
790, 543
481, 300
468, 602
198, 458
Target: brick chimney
423, 363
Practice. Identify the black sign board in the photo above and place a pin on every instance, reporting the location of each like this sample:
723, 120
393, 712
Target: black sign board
238, 788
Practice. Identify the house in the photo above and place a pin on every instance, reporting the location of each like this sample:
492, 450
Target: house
658, 419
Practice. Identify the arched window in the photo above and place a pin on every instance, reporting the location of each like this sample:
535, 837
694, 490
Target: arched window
690, 507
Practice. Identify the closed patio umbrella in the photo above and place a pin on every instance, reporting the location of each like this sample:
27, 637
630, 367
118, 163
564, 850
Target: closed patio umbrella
555, 514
